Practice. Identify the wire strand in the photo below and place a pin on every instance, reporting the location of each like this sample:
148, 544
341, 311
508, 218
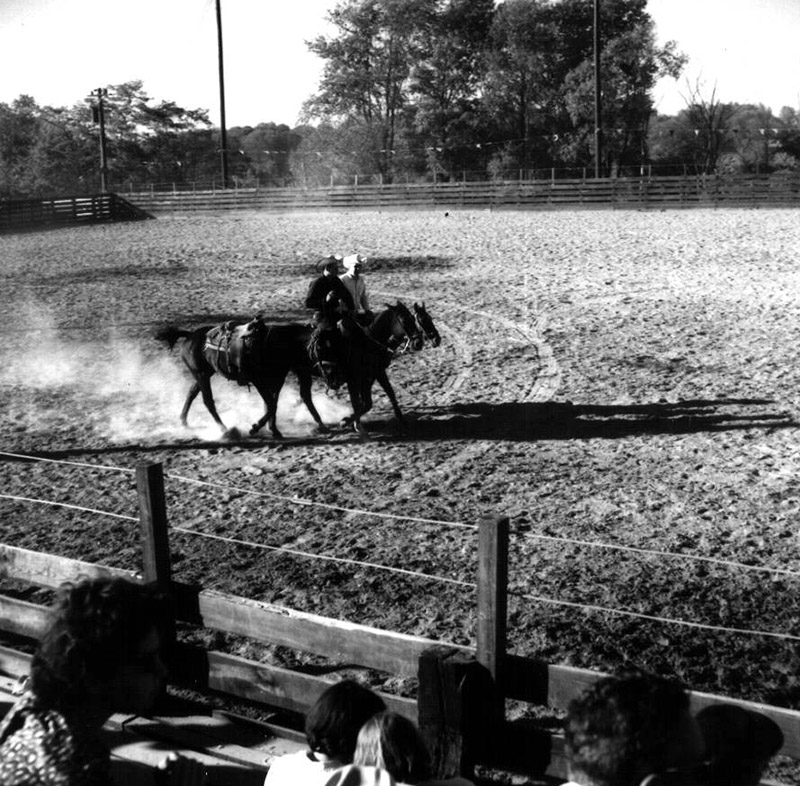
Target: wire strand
671, 554
325, 505
71, 507
652, 618
344, 560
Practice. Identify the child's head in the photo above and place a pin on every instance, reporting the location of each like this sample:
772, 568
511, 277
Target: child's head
393, 743
332, 724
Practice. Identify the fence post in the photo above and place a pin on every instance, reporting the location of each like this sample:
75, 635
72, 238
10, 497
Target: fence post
153, 523
492, 596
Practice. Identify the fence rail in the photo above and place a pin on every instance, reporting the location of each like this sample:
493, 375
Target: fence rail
462, 690
20, 214
637, 192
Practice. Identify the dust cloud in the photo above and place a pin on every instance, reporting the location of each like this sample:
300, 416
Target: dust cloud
122, 390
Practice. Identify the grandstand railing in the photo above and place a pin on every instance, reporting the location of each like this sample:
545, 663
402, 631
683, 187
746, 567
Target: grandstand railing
461, 691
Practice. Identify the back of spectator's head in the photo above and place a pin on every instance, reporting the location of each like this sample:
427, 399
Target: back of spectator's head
626, 727
96, 628
333, 723
393, 743
739, 744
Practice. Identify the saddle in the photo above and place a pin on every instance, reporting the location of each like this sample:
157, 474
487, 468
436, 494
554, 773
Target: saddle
231, 348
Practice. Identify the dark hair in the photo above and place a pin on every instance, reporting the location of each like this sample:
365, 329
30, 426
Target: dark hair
333, 723
393, 743
621, 728
95, 627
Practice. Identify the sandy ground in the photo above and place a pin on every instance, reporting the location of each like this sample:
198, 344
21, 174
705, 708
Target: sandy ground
616, 378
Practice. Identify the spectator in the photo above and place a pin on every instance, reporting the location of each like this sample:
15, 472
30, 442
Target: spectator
626, 728
100, 655
331, 727
739, 744
393, 743
352, 775
355, 285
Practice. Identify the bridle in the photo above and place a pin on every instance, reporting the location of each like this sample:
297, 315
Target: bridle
425, 324
412, 339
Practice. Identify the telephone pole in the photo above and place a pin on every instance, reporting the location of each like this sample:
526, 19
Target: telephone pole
598, 128
99, 116
223, 135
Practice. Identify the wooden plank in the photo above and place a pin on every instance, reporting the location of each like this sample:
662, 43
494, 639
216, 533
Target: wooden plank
14, 664
395, 653
22, 618
277, 687
49, 570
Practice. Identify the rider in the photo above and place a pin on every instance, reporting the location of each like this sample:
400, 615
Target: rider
328, 283
357, 288
331, 300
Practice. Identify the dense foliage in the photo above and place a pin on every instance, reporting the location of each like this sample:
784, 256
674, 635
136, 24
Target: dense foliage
420, 89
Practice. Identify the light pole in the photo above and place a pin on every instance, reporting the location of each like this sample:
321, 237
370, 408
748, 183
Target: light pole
99, 116
223, 135
598, 129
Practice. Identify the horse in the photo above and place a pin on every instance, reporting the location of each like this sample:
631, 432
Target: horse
273, 350
426, 325
395, 329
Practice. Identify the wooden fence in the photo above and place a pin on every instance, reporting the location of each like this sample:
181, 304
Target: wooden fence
631, 192
461, 690
22, 214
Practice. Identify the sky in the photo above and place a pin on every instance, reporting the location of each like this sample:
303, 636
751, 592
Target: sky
58, 51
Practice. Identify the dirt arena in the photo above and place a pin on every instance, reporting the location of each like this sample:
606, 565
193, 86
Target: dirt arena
624, 379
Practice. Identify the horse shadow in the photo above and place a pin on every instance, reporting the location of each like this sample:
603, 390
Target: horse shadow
534, 421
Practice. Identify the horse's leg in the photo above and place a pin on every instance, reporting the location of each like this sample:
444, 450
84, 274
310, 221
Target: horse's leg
193, 391
204, 381
304, 381
353, 388
383, 379
269, 390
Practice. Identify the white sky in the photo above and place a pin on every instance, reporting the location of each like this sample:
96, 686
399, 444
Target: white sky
57, 51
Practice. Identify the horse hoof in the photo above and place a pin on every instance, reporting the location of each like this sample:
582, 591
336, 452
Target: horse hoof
232, 434
277, 434
254, 429
322, 428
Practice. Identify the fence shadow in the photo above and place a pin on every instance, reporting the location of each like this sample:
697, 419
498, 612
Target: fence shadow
523, 422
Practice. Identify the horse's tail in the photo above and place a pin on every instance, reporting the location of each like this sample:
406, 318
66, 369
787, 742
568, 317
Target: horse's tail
171, 333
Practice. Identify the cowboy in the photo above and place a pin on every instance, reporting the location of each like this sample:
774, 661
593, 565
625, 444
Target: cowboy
327, 295
331, 300
356, 287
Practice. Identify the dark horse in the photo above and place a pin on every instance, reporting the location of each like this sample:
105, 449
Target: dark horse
275, 350
426, 325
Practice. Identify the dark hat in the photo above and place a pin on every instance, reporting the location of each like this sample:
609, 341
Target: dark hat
332, 259
732, 732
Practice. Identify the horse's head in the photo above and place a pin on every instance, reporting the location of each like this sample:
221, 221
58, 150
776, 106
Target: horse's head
405, 331
425, 324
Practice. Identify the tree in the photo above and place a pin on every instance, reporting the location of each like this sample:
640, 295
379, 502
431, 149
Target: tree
518, 85
630, 64
709, 121
445, 83
367, 67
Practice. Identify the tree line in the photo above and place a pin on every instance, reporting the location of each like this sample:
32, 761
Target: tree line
419, 90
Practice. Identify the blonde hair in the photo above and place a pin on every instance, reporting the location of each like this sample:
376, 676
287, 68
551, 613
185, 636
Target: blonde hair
393, 743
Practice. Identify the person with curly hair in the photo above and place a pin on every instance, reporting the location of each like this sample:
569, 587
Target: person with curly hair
332, 726
100, 655
630, 729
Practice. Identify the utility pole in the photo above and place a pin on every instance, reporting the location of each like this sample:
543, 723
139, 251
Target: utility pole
223, 135
598, 128
99, 116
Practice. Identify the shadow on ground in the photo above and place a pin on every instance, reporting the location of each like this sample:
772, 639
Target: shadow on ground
523, 422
